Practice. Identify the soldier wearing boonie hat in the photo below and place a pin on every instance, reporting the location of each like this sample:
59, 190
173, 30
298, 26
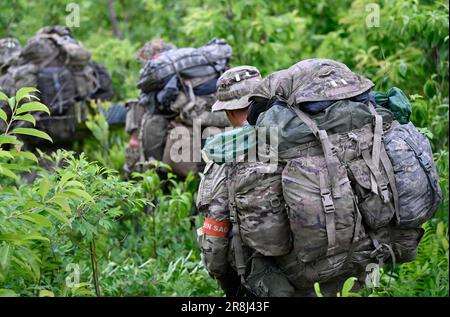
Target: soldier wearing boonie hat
233, 88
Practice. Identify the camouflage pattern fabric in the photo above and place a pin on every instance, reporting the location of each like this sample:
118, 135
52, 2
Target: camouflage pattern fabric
152, 49
415, 172
256, 194
9, 50
212, 200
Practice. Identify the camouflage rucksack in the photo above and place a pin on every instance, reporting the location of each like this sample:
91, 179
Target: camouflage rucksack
351, 192
346, 189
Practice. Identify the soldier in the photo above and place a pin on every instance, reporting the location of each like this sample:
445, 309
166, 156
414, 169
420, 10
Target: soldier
169, 104
246, 254
136, 111
224, 255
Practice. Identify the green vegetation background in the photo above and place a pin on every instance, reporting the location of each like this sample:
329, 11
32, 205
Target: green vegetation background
126, 249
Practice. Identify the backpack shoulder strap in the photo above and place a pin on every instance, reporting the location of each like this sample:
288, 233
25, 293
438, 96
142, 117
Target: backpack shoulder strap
329, 150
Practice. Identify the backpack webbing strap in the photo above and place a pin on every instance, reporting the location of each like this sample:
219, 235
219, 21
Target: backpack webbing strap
425, 164
376, 146
328, 208
390, 174
331, 159
237, 241
384, 193
307, 120
332, 163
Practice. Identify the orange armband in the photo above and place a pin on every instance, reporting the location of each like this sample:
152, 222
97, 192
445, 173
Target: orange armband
216, 228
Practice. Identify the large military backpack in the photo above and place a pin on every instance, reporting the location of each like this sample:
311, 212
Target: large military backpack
188, 62
364, 180
353, 186
177, 88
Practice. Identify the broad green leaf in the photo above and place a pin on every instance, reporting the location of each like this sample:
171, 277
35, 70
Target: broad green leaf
32, 132
62, 202
12, 102
3, 115
7, 172
3, 97
24, 92
6, 154
26, 117
27, 155
7, 293
35, 236
20, 237
46, 293
74, 183
66, 177
16, 167
32, 106
80, 193
31, 204
348, 284
43, 188
8, 139
11, 237
36, 218
59, 215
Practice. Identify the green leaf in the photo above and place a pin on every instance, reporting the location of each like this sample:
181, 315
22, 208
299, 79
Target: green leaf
80, 193
32, 106
26, 117
3, 97
3, 115
26, 155
7, 172
8, 139
43, 188
38, 219
59, 215
74, 183
61, 202
25, 93
6, 154
20, 237
66, 177
12, 102
7, 293
32, 132
46, 293
317, 290
348, 286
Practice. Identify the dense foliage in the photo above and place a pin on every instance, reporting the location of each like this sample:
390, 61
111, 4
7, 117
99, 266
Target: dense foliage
136, 238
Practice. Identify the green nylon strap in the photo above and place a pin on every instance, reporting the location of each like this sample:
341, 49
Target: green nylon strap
328, 208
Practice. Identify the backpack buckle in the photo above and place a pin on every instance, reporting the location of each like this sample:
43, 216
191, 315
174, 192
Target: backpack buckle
327, 202
424, 161
384, 193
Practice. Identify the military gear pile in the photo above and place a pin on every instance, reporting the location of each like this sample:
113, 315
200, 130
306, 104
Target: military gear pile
60, 68
352, 186
177, 86
208, 60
